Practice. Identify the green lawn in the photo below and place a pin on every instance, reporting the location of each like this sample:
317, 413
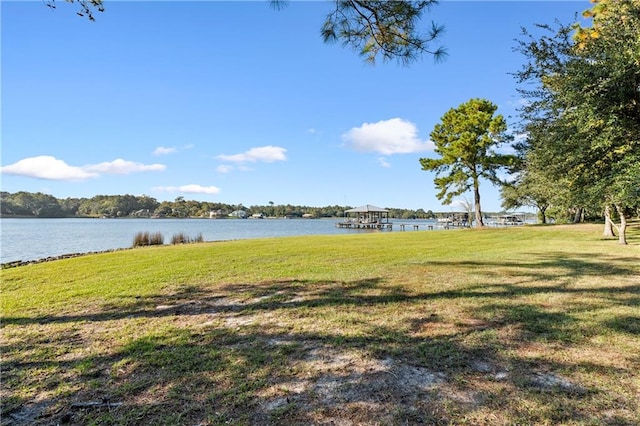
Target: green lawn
531, 325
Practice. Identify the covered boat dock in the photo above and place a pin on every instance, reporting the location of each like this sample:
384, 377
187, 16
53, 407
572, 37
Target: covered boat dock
366, 217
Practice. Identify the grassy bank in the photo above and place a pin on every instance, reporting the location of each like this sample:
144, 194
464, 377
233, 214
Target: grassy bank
535, 325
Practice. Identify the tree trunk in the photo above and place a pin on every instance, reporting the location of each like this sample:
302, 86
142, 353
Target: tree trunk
476, 193
622, 229
608, 223
543, 214
577, 218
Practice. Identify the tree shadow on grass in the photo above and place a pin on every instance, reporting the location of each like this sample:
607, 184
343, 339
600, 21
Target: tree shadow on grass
626, 324
251, 376
226, 354
549, 266
293, 293
535, 323
236, 374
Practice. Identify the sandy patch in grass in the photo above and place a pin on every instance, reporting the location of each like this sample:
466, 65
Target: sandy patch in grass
333, 384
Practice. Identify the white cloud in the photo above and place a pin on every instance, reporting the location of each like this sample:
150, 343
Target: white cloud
263, 154
165, 150
123, 167
189, 189
383, 162
224, 168
48, 167
161, 150
394, 136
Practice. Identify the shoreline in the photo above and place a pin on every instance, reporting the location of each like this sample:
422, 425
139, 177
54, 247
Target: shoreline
18, 263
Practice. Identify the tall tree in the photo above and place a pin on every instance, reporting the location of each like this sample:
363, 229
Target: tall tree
385, 29
466, 140
586, 93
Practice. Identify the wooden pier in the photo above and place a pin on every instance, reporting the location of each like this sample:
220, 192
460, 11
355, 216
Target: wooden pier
364, 225
375, 218
389, 226
415, 227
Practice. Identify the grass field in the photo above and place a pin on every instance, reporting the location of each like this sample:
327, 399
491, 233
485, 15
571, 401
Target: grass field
531, 325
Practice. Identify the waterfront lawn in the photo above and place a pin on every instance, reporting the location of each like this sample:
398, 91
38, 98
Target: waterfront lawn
530, 325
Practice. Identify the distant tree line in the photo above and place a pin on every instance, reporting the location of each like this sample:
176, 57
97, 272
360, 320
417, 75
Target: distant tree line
27, 204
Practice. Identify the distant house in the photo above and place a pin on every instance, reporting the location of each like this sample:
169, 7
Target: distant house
214, 214
240, 214
142, 213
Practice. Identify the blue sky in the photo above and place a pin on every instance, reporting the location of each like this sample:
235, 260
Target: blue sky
239, 103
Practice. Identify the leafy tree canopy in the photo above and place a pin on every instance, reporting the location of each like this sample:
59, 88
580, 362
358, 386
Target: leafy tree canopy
466, 140
583, 114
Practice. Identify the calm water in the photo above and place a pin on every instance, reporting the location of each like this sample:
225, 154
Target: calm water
31, 239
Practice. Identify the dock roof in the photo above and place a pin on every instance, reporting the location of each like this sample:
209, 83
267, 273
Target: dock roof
366, 209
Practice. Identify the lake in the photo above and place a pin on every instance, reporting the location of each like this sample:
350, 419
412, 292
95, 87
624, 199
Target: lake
32, 239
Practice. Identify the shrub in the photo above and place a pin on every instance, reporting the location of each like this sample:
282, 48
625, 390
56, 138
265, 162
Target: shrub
148, 239
141, 239
182, 238
156, 239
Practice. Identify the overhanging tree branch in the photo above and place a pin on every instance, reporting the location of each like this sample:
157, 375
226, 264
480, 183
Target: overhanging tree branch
87, 7
376, 28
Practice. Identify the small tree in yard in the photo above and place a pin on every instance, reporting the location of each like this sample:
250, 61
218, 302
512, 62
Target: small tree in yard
466, 139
